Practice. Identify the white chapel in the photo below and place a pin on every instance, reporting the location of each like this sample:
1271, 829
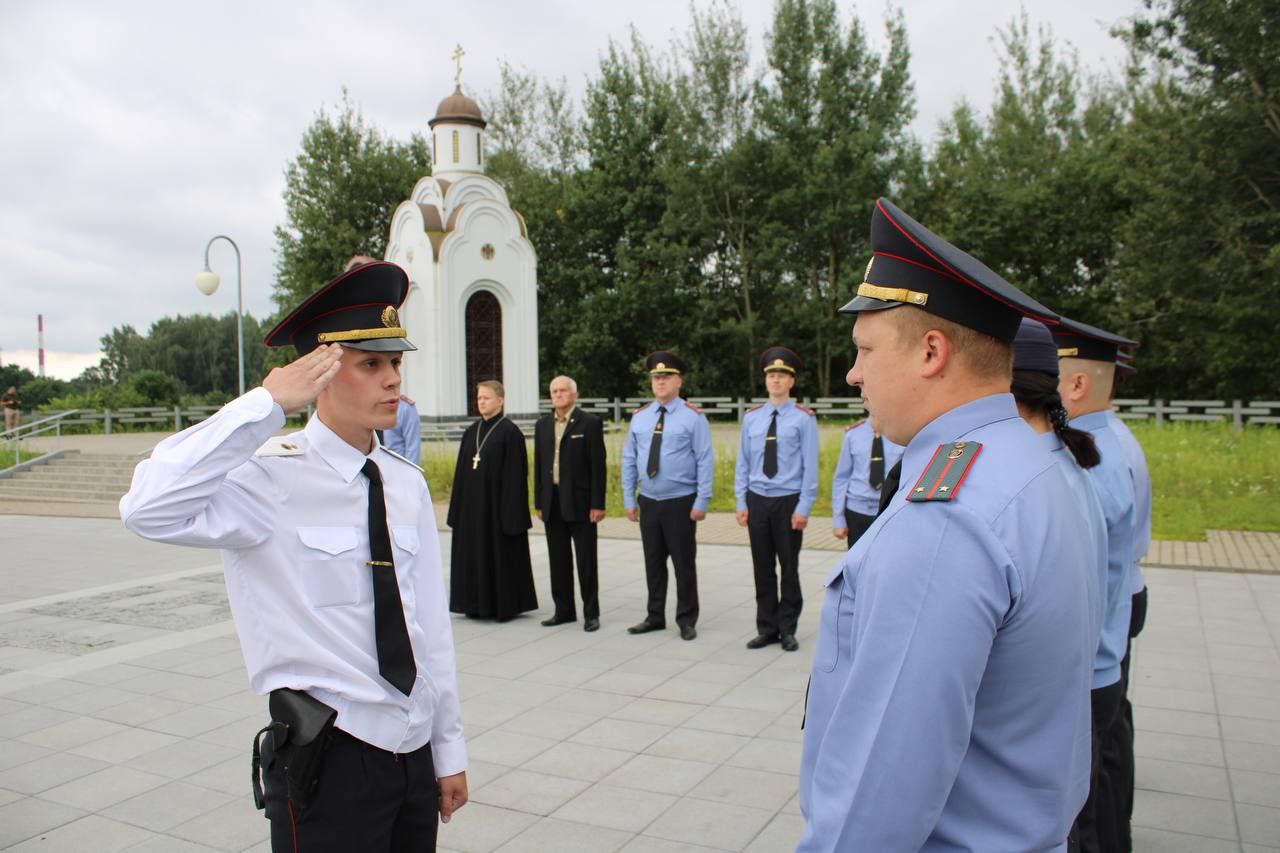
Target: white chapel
472, 308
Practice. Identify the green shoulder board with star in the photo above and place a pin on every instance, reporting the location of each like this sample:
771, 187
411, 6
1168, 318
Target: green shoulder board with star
945, 472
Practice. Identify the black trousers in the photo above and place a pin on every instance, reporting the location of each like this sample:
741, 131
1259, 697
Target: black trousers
857, 524
581, 535
1117, 753
667, 531
368, 799
1097, 829
773, 541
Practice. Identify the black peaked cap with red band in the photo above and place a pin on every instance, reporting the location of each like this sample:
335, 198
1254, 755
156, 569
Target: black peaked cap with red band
359, 309
910, 265
780, 359
1080, 340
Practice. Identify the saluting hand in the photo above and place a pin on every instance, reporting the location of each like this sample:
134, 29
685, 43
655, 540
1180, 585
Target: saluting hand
299, 382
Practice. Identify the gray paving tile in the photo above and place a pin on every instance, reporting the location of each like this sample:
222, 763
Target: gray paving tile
649, 844
660, 775
578, 761
1196, 750
526, 791
1250, 730
1178, 777
1149, 696
781, 833
48, 771
478, 828
766, 754
711, 824
229, 777
1261, 789
1258, 824
549, 723
126, 744
1176, 722
505, 747
159, 843
168, 806
1191, 815
566, 837
1252, 756
734, 721
140, 710
746, 787
74, 732
92, 832
656, 711
621, 734
234, 825
712, 747
25, 818
625, 809
181, 758
106, 787
1150, 840
16, 752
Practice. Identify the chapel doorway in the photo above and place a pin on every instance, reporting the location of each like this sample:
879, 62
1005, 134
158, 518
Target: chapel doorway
484, 343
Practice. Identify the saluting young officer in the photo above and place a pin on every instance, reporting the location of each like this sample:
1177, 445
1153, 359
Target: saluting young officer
775, 482
1087, 357
333, 573
949, 701
866, 457
667, 455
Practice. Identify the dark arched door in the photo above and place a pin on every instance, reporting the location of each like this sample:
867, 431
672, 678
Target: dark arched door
484, 343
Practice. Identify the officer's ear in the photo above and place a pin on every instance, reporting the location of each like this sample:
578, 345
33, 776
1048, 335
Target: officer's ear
937, 351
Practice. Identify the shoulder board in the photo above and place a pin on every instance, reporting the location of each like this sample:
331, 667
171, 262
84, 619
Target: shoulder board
691, 407
945, 472
642, 408
401, 458
859, 422
754, 408
280, 445
808, 411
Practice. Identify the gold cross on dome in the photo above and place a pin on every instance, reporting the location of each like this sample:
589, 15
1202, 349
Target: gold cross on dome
458, 53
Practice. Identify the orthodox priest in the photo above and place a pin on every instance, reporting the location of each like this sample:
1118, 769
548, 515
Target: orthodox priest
491, 575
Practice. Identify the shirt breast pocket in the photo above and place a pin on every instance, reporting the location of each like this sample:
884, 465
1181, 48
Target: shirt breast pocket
836, 623
330, 569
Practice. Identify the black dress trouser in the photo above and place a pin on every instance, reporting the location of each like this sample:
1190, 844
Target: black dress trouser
667, 531
857, 524
773, 540
1117, 752
1097, 828
368, 799
565, 539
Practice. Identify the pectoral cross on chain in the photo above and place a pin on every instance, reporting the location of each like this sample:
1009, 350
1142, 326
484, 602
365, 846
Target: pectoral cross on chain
475, 461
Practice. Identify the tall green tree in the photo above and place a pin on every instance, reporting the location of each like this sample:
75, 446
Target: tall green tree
339, 195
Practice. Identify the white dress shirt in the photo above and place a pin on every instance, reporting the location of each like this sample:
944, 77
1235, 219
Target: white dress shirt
292, 523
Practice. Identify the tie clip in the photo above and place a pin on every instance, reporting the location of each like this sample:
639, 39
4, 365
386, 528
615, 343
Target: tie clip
379, 563
771, 438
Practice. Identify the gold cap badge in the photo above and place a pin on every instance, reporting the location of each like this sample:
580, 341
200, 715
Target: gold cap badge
390, 317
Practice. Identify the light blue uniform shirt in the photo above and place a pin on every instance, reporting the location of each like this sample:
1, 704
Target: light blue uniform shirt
949, 703
1088, 505
851, 486
405, 437
1137, 461
1114, 488
797, 438
686, 464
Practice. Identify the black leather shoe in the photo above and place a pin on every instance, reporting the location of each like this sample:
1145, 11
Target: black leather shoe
557, 620
789, 643
591, 625
645, 627
688, 632
761, 640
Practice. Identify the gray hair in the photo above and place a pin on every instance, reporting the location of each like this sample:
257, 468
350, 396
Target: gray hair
573, 386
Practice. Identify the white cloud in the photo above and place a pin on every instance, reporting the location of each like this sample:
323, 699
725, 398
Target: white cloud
57, 365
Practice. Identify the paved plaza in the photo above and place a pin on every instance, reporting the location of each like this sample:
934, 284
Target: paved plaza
125, 715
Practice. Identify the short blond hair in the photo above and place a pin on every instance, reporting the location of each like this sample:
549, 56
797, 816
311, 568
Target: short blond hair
493, 385
986, 356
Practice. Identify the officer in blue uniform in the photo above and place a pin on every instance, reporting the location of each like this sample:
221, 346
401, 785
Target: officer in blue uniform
775, 482
667, 456
949, 701
1087, 357
865, 457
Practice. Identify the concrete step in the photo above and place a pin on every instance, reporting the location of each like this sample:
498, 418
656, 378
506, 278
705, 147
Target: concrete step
9, 490
55, 476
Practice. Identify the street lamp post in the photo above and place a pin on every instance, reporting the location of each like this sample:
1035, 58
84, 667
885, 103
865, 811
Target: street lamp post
207, 282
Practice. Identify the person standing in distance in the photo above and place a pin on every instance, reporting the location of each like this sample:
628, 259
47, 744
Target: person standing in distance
491, 574
775, 482
949, 700
1086, 375
865, 458
568, 493
667, 457
333, 573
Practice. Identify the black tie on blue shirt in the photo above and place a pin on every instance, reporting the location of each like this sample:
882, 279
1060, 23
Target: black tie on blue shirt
771, 447
890, 487
655, 444
395, 654
877, 462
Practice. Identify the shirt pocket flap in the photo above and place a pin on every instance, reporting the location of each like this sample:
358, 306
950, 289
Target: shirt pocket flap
406, 537
835, 573
330, 540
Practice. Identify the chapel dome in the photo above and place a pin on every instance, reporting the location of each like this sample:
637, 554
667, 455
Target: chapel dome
458, 109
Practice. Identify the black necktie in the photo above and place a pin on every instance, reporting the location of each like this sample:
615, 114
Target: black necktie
877, 463
655, 445
890, 487
771, 447
395, 654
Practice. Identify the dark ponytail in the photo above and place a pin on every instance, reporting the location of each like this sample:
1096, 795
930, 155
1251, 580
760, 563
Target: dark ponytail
1039, 392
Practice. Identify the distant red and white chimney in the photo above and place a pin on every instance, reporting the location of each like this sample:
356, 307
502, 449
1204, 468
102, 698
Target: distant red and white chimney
40, 328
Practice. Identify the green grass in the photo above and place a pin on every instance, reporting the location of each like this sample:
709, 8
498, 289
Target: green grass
1208, 476
1203, 475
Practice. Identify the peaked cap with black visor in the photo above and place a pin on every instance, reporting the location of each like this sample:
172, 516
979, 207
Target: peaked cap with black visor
1080, 340
910, 265
359, 310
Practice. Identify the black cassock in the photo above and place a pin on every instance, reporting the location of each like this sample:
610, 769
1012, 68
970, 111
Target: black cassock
490, 573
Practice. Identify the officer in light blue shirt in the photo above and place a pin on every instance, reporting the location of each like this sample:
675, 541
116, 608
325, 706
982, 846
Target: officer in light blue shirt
949, 701
865, 456
405, 438
1087, 357
667, 456
775, 482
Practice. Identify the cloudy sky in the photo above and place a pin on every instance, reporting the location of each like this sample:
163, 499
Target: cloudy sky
135, 131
